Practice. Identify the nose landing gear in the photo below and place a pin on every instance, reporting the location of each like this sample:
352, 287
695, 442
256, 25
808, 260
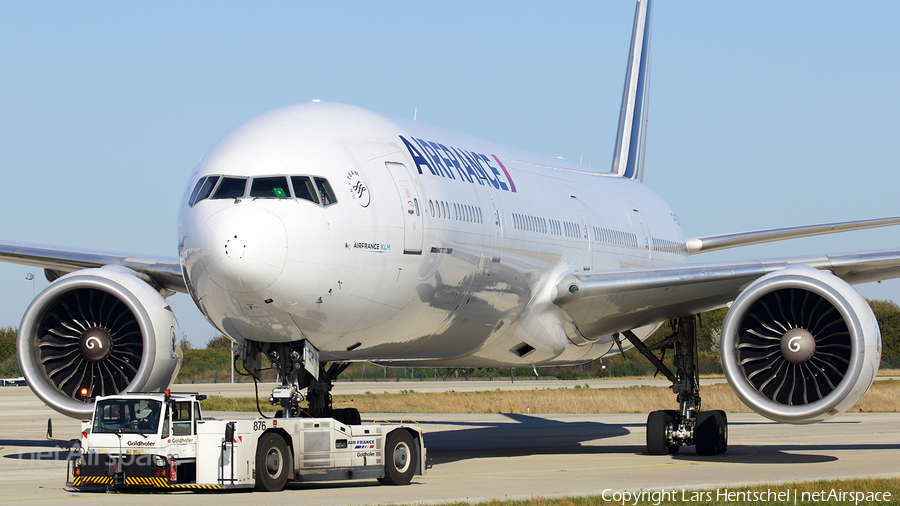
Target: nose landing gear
298, 367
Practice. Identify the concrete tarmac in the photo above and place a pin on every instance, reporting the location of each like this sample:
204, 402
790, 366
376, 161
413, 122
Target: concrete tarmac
476, 457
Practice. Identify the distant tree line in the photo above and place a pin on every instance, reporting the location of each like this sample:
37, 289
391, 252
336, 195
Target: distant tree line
9, 366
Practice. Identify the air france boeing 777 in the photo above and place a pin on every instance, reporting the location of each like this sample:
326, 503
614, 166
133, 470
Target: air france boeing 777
319, 234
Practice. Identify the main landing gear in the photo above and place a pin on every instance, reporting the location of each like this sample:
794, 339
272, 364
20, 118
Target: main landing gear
667, 430
298, 367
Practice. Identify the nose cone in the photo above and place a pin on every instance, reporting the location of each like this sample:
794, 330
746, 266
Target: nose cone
244, 248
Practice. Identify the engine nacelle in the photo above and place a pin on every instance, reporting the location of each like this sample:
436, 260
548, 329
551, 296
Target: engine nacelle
800, 345
104, 330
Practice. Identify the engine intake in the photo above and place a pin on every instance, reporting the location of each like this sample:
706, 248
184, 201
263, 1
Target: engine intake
103, 331
800, 345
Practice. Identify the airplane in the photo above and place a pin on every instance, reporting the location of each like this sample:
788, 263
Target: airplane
319, 234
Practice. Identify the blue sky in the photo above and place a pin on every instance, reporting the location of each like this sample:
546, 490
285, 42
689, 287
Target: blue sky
762, 114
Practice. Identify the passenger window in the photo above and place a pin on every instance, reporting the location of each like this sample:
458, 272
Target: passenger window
303, 188
431, 205
231, 188
270, 187
325, 191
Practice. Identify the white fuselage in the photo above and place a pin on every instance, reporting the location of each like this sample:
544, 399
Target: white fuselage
429, 247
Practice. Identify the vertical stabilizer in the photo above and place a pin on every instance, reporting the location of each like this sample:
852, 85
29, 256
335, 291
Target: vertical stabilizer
628, 157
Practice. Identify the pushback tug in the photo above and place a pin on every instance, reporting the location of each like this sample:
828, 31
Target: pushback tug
160, 440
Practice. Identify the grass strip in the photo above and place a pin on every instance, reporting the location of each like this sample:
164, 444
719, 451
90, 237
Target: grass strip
866, 491
882, 397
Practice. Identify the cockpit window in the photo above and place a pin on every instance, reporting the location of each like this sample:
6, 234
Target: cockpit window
325, 192
311, 188
196, 191
303, 188
203, 189
231, 188
270, 188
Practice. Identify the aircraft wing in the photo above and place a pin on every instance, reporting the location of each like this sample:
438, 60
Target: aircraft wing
603, 302
166, 271
724, 241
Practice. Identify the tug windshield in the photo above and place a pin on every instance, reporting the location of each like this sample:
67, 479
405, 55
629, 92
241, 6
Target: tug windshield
127, 416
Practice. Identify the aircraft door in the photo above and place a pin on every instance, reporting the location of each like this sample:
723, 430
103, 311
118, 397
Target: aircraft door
585, 232
410, 206
493, 224
643, 233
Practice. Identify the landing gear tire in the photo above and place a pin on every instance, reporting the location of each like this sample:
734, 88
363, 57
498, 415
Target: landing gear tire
711, 433
273, 463
658, 424
723, 430
400, 457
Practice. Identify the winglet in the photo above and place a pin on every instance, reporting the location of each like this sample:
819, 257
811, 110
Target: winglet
628, 157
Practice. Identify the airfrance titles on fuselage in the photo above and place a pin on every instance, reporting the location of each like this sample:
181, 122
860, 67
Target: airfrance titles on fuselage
369, 246
470, 167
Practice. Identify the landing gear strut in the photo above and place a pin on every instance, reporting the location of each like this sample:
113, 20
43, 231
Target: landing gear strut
668, 430
298, 367
318, 395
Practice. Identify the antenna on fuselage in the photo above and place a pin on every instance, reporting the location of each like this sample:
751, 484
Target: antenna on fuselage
415, 113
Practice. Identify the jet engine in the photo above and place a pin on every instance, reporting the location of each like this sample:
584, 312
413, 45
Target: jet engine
800, 345
97, 332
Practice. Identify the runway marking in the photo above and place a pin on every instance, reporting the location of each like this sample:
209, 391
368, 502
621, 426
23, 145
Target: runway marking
85, 496
752, 452
869, 456
543, 473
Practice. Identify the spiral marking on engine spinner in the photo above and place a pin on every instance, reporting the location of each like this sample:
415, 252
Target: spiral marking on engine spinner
96, 344
798, 345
